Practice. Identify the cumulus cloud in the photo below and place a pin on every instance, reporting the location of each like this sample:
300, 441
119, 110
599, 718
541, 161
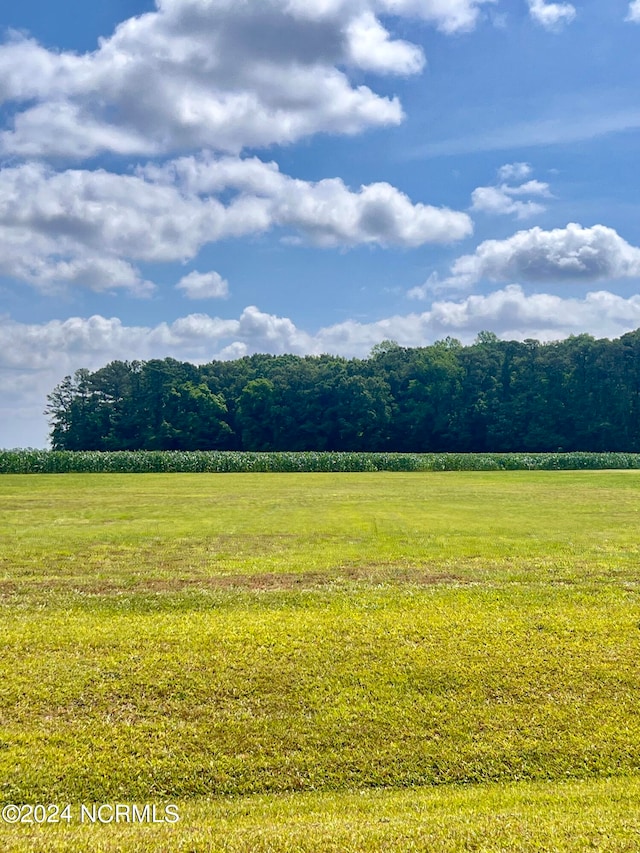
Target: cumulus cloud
505, 198
89, 227
634, 12
35, 357
551, 16
52, 262
571, 254
513, 314
65, 345
510, 313
500, 200
216, 74
378, 213
326, 212
371, 48
52, 274
208, 285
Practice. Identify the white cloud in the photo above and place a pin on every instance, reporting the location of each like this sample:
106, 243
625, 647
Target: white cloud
61, 129
509, 312
331, 215
63, 346
634, 12
514, 172
514, 315
370, 48
503, 198
500, 200
215, 73
551, 16
326, 213
35, 357
449, 16
571, 254
52, 276
209, 285
530, 188
83, 227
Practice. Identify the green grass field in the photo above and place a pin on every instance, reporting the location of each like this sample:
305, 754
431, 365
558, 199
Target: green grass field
324, 662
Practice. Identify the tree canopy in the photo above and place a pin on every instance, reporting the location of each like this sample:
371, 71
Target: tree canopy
492, 396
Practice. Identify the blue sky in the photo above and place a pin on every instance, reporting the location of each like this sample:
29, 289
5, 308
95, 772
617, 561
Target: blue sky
207, 178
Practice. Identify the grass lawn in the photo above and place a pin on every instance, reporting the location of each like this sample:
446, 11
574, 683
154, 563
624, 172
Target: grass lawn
322, 662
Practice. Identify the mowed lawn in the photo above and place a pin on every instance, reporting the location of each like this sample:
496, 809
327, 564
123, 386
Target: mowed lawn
320, 662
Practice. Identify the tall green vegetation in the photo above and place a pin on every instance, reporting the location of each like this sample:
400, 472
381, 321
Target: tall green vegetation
245, 461
495, 396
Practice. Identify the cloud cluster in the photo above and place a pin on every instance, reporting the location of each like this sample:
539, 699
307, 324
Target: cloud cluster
65, 345
216, 74
551, 16
506, 198
90, 227
34, 357
571, 254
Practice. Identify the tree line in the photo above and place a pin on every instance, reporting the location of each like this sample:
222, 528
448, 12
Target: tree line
580, 394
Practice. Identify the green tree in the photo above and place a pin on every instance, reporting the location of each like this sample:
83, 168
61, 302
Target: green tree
256, 415
194, 419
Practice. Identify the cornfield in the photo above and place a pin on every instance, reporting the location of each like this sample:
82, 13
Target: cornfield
149, 461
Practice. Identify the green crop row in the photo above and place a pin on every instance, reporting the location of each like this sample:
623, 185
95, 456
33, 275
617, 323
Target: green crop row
142, 461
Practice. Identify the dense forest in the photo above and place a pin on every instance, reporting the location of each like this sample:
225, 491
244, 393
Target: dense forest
492, 396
